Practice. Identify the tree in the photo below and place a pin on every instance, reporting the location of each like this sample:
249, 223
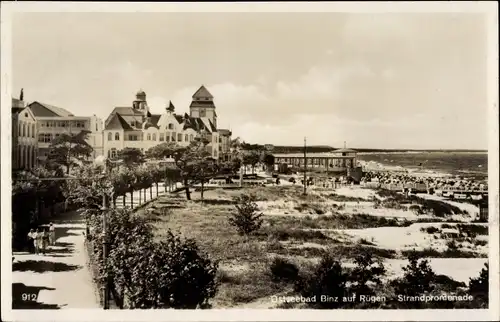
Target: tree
70, 150
268, 160
418, 278
195, 164
162, 151
122, 181
251, 158
246, 218
131, 156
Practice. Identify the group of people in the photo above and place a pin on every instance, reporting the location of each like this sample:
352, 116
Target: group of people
42, 238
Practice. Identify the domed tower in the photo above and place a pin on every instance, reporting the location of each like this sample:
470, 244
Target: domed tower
140, 104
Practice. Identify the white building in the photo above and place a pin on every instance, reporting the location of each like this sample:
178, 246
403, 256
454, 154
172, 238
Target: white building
136, 127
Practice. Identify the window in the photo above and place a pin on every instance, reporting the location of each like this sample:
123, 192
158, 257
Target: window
57, 135
203, 113
179, 137
154, 136
26, 114
167, 138
149, 137
28, 128
162, 136
33, 130
220, 140
186, 137
113, 153
173, 137
117, 136
191, 137
110, 136
44, 138
42, 124
63, 124
24, 130
170, 126
96, 129
132, 137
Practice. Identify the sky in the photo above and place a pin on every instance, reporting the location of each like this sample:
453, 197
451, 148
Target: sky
374, 80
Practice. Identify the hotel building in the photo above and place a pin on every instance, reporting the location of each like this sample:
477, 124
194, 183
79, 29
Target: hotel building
135, 127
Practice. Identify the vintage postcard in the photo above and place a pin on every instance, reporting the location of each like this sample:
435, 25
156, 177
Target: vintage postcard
249, 161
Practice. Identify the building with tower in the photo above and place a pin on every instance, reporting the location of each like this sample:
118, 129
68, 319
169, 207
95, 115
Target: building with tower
136, 127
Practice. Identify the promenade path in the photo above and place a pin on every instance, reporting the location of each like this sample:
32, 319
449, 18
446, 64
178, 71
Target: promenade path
60, 279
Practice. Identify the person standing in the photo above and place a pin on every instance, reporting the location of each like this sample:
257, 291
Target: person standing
45, 240
32, 241
52, 234
38, 241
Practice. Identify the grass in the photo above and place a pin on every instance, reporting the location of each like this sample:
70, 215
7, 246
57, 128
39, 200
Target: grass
298, 237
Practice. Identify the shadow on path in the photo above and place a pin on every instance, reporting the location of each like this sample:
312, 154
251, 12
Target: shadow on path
40, 266
26, 297
62, 232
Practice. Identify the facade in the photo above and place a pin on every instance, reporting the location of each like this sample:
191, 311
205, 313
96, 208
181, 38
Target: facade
135, 127
225, 144
24, 136
53, 121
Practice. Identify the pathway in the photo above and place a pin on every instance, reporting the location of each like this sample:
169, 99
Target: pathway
59, 279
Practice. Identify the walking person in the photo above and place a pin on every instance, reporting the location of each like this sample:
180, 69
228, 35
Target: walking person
52, 234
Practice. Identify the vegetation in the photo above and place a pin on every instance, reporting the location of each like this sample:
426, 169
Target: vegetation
69, 150
246, 218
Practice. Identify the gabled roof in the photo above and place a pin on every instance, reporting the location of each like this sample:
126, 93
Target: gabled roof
155, 118
202, 92
43, 109
179, 118
212, 126
117, 122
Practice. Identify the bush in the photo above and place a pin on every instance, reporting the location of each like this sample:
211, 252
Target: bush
430, 230
366, 272
479, 286
170, 274
328, 279
418, 278
283, 270
246, 219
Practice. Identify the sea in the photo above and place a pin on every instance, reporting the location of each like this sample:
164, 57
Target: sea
471, 165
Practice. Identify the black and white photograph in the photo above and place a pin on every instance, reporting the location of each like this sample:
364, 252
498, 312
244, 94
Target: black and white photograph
255, 157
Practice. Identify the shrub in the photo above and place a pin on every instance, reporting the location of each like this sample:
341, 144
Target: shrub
246, 219
430, 230
472, 230
366, 272
479, 286
172, 273
327, 279
418, 277
283, 270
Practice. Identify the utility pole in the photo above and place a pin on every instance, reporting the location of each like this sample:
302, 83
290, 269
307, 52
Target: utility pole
305, 167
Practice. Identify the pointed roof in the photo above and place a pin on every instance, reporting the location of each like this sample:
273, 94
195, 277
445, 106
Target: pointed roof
170, 107
117, 122
202, 92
